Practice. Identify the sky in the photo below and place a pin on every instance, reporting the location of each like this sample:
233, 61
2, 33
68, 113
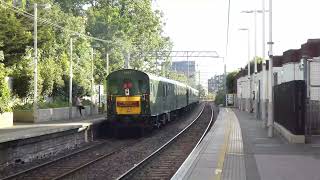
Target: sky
202, 25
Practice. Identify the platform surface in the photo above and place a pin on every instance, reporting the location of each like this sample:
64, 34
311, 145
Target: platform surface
219, 152
237, 147
28, 130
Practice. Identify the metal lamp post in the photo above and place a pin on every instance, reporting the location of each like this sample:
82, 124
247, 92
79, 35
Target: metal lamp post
35, 60
225, 81
70, 81
270, 89
249, 68
264, 72
255, 33
92, 79
71, 74
255, 52
92, 75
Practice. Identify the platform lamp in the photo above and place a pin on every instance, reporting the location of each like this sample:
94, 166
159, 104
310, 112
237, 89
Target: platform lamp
270, 74
35, 37
71, 73
249, 68
94, 46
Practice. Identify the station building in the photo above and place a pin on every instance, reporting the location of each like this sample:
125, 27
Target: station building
296, 90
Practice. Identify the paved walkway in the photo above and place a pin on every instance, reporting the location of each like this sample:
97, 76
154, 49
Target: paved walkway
237, 147
274, 158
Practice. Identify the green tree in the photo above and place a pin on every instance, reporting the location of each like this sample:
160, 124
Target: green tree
15, 35
202, 91
4, 90
232, 82
220, 98
128, 26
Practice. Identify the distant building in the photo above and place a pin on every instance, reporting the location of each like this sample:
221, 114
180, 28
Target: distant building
216, 83
182, 67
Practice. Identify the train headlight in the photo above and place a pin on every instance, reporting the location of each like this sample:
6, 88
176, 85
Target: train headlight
127, 91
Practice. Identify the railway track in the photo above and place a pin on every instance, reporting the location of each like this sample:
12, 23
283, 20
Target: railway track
109, 158
164, 162
67, 164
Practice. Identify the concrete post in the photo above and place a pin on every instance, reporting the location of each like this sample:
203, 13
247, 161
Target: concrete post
35, 61
270, 102
264, 73
70, 81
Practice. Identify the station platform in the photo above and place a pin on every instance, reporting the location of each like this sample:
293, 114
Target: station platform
29, 130
26, 142
237, 147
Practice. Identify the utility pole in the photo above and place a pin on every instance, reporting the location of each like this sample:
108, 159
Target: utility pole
270, 104
92, 81
126, 63
249, 70
199, 76
255, 66
254, 80
70, 81
105, 91
35, 61
187, 69
255, 43
107, 63
248, 102
225, 82
264, 72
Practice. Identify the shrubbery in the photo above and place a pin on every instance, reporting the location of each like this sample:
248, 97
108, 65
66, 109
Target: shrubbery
220, 98
42, 105
47, 105
4, 91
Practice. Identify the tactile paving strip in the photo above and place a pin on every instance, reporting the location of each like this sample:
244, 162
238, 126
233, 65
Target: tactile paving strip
234, 165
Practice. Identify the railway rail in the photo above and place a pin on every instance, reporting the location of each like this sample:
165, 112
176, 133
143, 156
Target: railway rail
164, 162
62, 166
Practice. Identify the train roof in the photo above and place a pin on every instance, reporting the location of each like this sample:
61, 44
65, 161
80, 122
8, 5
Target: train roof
159, 78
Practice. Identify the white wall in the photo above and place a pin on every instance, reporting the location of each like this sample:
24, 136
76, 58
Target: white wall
315, 80
290, 72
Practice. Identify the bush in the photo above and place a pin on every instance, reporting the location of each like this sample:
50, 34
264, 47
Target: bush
86, 102
220, 98
27, 106
4, 91
42, 105
54, 104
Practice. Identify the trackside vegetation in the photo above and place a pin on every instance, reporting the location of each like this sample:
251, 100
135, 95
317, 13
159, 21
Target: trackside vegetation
128, 28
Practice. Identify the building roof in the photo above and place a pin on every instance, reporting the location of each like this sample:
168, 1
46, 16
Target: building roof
311, 48
292, 55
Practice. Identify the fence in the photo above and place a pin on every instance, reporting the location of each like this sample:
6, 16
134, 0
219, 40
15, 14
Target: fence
289, 106
313, 100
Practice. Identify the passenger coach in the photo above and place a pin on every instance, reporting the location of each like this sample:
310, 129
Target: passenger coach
138, 98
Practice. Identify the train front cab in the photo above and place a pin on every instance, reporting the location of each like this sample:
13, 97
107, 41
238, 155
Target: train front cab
128, 98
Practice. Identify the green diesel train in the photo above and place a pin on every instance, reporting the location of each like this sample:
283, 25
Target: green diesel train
138, 98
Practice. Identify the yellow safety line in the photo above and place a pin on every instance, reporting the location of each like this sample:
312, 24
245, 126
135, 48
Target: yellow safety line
222, 153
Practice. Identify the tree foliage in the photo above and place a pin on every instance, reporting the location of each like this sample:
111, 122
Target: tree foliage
232, 82
4, 90
129, 27
220, 98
